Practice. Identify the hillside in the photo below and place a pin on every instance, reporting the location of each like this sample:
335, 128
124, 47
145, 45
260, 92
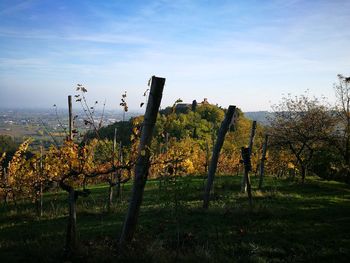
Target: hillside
259, 116
289, 223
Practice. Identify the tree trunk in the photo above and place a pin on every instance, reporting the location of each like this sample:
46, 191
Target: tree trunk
142, 163
225, 125
262, 162
251, 142
71, 239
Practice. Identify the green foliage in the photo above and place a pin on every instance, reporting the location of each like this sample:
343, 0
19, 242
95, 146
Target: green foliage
124, 129
7, 144
211, 113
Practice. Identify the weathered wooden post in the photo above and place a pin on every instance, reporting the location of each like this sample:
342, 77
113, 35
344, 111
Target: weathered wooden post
216, 152
206, 156
250, 147
112, 175
70, 118
40, 211
71, 239
247, 167
262, 161
119, 172
143, 162
6, 197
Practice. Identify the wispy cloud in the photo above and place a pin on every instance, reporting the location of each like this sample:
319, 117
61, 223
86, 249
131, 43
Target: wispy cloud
13, 8
213, 49
98, 38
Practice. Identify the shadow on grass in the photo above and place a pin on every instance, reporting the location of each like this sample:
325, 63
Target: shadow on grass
289, 222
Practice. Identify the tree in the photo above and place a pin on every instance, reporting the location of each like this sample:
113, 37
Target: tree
301, 124
8, 145
341, 138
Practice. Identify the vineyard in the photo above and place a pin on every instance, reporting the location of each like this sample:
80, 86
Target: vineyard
190, 182
287, 223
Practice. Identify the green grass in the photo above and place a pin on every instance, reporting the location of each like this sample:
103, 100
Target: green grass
289, 222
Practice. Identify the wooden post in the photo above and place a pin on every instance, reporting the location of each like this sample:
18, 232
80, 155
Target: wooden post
41, 183
6, 191
70, 118
119, 173
250, 147
112, 176
225, 125
114, 143
206, 156
251, 140
71, 239
262, 162
247, 167
143, 162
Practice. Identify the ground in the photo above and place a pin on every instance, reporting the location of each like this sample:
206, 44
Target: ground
289, 222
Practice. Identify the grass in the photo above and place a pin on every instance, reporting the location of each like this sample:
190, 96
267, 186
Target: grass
289, 222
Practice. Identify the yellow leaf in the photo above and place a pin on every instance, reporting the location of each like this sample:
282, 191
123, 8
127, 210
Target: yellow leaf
143, 152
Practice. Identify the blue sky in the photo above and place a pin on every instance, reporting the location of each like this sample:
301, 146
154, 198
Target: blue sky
245, 53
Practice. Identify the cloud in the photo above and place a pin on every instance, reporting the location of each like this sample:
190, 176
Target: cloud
16, 8
97, 38
220, 50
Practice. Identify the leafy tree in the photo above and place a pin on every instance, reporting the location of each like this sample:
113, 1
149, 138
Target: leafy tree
341, 138
301, 124
8, 145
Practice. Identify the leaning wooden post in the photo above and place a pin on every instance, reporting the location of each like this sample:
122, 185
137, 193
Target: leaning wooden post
250, 147
216, 152
251, 140
112, 175
6, 197
142, 162
247, 167
70, 118
119, 172
41, 183
262, 161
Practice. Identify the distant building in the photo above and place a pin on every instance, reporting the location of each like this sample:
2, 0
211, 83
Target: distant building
205, 101
180, 106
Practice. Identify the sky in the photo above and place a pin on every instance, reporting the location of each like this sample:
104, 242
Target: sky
244, 53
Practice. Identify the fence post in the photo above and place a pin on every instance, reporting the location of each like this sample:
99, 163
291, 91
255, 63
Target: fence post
143, 162
262, 162
250, 148
225, 125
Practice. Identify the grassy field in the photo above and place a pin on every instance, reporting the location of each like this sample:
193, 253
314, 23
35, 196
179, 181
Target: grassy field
289, 222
